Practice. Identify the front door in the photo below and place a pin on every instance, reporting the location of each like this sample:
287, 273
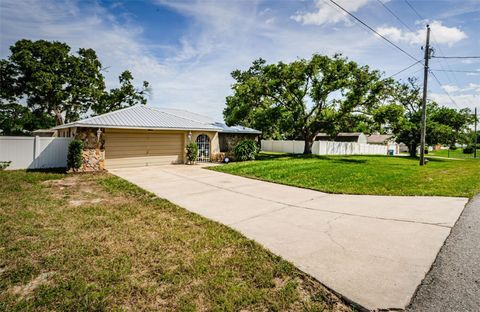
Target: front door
203, 142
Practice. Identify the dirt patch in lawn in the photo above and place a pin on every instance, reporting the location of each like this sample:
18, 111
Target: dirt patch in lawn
113, 246
81, 189
25, 290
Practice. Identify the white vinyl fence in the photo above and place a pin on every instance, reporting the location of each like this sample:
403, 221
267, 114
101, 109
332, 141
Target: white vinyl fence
323, 147
34, 152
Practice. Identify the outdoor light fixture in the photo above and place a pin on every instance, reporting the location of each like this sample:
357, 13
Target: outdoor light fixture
226, 160
190, 136
99, 132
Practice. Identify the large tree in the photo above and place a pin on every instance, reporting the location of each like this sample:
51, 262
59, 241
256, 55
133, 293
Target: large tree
402, 117
302, 98
51, 81
126, 95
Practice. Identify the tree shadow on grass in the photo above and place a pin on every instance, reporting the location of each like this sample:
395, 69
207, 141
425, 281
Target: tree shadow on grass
273, 156
49, 170
349, 160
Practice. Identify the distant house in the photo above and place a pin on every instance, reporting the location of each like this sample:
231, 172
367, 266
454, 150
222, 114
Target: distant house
385, 139
380, 139
45, 133
356, 137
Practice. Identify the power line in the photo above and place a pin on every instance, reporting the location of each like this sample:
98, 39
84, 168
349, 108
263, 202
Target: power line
373, 30
395, 15
406, 68
445, 91
456, 71
413, 9
442, 57
457, 57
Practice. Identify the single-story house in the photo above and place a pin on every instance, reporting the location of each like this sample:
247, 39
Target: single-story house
356, 137
142, 135
45, 132
384, 139
380, 139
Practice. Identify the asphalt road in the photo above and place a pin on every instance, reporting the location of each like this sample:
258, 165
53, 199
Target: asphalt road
453, 283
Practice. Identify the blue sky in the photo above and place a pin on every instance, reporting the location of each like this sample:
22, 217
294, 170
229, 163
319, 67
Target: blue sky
187, 49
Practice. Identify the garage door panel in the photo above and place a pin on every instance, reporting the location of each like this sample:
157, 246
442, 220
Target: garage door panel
130, 149
126, 162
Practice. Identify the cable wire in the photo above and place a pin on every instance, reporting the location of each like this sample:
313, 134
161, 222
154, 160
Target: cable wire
445, 91
406, 68
373, 30
413, 9
456, 71
457, 57
395, 15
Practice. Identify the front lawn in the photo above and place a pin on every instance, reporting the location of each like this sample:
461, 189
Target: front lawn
379, 175
97, 242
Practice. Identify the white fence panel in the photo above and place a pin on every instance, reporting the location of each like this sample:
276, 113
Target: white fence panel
34, 152
324, 147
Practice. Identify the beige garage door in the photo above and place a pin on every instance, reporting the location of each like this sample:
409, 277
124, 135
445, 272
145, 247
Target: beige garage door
142, 148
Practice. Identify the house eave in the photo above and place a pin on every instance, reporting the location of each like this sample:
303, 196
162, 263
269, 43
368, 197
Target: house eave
133, 127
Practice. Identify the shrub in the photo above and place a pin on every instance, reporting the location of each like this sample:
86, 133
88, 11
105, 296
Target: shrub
469, 149
74, 156
192, 152
4, 164
453, 147
245, 150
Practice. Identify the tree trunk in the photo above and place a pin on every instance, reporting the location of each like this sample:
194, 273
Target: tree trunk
413, 149
308, 146
58, 117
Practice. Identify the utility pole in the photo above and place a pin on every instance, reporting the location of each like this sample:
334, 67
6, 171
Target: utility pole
476, 136
424, 99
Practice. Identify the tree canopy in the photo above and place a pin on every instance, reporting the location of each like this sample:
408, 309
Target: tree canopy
402, 117
302, 98
43, 80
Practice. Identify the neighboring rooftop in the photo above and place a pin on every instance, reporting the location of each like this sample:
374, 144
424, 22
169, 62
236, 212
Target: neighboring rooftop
342, 137
147, 117
379, 138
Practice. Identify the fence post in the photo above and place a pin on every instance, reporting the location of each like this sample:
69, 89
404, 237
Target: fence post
36, 151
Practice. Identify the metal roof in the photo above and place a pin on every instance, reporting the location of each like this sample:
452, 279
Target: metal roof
141, 117
147, 117
211, 121
236, 129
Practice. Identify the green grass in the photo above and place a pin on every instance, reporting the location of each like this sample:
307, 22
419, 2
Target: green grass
99, 243
379, 175
458, 153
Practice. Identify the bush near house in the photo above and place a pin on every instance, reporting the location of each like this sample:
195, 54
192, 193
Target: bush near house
245, 150
192, 152
4, 164
74, 156
469, 149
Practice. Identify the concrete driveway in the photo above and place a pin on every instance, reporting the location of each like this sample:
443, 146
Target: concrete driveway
373, 250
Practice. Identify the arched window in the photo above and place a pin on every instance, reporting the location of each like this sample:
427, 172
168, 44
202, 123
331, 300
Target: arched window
203, 142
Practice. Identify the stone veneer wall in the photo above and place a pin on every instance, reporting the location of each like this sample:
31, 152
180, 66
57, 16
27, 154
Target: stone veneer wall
93, 149
228, 141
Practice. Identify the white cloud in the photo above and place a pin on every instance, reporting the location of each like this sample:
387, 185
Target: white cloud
440, 33
466, 96
472, 88
194, 73
450, 88
93, 27
328, 13
462, 100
